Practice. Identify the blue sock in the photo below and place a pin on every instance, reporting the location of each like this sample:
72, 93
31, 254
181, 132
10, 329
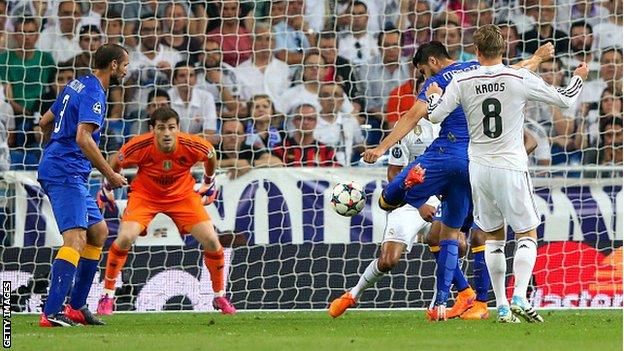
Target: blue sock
394, 193
459, 279
481, 276
447, 264
84, 278
61, 278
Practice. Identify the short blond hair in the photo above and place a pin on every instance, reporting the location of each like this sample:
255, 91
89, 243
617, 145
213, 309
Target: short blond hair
489, 41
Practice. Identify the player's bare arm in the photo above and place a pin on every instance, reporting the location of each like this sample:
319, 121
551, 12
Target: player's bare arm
46, 123
543, 53
90, 149
408, 122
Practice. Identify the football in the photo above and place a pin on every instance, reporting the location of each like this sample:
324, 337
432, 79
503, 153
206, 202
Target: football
348, 199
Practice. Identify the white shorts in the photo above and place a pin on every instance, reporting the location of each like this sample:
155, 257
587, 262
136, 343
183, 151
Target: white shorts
405, 224
502, 194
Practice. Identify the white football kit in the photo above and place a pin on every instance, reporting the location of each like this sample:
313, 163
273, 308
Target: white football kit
493, 100
405, 223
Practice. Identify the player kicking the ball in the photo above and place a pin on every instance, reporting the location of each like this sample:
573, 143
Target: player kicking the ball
78, 116
164, 184
493, 97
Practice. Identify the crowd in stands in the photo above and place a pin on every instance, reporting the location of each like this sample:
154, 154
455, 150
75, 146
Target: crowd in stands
298, 82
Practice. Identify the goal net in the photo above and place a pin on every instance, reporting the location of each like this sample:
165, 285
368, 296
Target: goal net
284, 89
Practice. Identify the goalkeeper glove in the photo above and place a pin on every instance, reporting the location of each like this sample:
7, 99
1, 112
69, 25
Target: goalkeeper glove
105, 198
208, 190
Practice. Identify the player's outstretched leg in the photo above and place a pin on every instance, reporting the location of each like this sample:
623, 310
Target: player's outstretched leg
390, 255
129, 231
77, 310
479, 309
63, 272
524, 261
214, 260
393, 194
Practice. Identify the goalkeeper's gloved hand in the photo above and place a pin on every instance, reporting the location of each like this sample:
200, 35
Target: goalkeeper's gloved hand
208, 190
105, 198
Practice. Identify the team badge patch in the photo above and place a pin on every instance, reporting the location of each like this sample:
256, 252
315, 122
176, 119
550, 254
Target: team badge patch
396, 152
167, 165
418, 130
97, 108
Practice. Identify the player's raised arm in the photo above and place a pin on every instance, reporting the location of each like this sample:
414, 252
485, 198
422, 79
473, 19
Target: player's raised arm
90, 149
439, 106
538, 90
405, 124
46, 123
543, 53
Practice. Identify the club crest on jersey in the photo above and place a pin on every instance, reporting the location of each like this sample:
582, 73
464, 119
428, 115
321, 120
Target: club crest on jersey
167, 165
418, 130
97, 108
397, 153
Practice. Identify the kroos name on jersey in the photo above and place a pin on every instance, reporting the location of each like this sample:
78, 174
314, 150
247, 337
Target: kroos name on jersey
489, 88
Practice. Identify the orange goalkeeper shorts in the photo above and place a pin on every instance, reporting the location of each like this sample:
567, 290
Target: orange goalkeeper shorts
185, 213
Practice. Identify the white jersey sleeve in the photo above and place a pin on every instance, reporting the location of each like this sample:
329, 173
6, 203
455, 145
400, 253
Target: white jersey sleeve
440, 107
538, 90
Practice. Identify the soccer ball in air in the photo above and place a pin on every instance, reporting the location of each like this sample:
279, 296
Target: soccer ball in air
348, 199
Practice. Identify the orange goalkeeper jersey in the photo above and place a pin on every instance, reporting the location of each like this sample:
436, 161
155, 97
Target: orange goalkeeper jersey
163, 177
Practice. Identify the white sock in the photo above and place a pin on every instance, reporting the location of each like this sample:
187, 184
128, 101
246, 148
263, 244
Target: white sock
369, 278
220, 293
108, 292
497, 266
524, 261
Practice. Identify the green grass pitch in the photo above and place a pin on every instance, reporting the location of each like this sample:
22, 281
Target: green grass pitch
357, 330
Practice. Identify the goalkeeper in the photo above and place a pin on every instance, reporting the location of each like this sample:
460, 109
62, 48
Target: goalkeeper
164, 184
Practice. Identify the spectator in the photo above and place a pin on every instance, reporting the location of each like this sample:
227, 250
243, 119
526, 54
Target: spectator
609, 33
336, 129
90, 41
292, 36
521, 15
610, 106
611, 145
60, 40
6, 124
449, 33
513, 54
97, 11
610, 77
376, 10
544, 31
339, 69
236, 156
263, 73
477, 13
385, 72
307, 92
584, 10
403, 97
113, 26
262, 129
138, 121
358, 45
150, 65
220, 79
3, 25
234, 39
25, 71
581, 40
419, 32
176, 36
301, 149
196, 108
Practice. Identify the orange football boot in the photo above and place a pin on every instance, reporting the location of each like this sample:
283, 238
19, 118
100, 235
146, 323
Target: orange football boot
465, 300
478, 311
340, 305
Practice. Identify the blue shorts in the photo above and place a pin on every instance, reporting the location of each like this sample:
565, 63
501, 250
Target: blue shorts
72, 205
469, 223
444, 175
